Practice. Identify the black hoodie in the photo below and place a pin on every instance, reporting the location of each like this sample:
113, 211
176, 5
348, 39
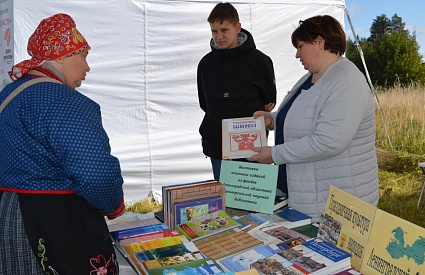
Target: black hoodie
232, 83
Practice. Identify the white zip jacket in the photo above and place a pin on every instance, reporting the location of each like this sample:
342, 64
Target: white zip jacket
329, 135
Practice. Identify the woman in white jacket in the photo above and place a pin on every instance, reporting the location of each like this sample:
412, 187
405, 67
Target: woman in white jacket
325, 126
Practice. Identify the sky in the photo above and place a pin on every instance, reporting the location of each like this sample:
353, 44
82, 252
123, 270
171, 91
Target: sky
363, 12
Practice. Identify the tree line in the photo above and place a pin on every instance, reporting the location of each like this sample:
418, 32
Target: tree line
391, 53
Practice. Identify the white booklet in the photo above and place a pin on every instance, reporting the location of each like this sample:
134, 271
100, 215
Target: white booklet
239, 135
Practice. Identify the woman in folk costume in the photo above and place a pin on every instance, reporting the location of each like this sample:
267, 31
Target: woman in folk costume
58, 178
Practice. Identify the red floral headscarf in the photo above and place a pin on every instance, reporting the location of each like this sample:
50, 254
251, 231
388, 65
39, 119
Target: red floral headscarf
55, 37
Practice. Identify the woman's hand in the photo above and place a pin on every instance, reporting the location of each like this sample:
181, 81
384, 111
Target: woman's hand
268, 119
264, 155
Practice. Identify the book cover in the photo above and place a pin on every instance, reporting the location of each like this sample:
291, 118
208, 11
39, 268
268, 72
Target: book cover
294, 218
274, 264
194, 209
357, 218
318, 257
239, 135
314, 257
394, 244
173, 260
133, 248
243, 260
131, 232
252, 221
209, 224
273, 219
190, 193
168, 255
277, 234
165, 251
165, 213
202, 266
149, 236
227, 244
290, 243
329, 229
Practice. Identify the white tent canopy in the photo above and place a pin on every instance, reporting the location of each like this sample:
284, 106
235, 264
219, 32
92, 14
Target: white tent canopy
143, 73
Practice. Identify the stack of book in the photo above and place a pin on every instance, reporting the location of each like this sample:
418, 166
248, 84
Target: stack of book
162, 252
208, 244
351, 238
186, 202
314, 256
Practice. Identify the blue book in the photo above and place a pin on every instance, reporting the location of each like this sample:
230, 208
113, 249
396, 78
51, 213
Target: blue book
137, 231
243, 260
252, 221
195, 209
293, 218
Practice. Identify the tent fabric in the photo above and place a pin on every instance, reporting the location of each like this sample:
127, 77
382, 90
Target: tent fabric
143, 63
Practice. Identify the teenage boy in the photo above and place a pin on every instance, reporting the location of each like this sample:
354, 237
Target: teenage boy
234, 79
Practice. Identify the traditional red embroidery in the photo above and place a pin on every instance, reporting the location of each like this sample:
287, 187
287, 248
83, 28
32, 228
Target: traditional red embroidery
101, 266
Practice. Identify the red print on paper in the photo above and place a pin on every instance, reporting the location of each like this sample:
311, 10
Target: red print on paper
244, 141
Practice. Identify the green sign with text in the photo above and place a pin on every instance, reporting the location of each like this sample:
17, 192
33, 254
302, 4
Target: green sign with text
249, 185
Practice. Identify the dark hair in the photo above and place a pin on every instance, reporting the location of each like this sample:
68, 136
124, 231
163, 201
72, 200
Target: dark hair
222, 12
327, 27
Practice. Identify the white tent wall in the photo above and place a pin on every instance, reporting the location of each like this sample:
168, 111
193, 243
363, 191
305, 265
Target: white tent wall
143, 63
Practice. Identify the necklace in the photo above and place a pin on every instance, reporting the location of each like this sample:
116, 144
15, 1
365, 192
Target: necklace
47, 72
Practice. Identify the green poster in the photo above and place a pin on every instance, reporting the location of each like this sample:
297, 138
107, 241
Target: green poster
249, 186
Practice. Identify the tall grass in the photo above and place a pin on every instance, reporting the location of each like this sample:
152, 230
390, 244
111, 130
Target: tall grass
402, 111
400, 118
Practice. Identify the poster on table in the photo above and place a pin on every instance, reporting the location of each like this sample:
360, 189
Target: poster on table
249, 186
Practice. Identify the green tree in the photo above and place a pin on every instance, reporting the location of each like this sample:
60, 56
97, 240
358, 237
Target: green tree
379, 26
393, 58
397, 25
391, 53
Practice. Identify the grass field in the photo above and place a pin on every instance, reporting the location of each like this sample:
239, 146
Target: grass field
401, 117
400, 143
